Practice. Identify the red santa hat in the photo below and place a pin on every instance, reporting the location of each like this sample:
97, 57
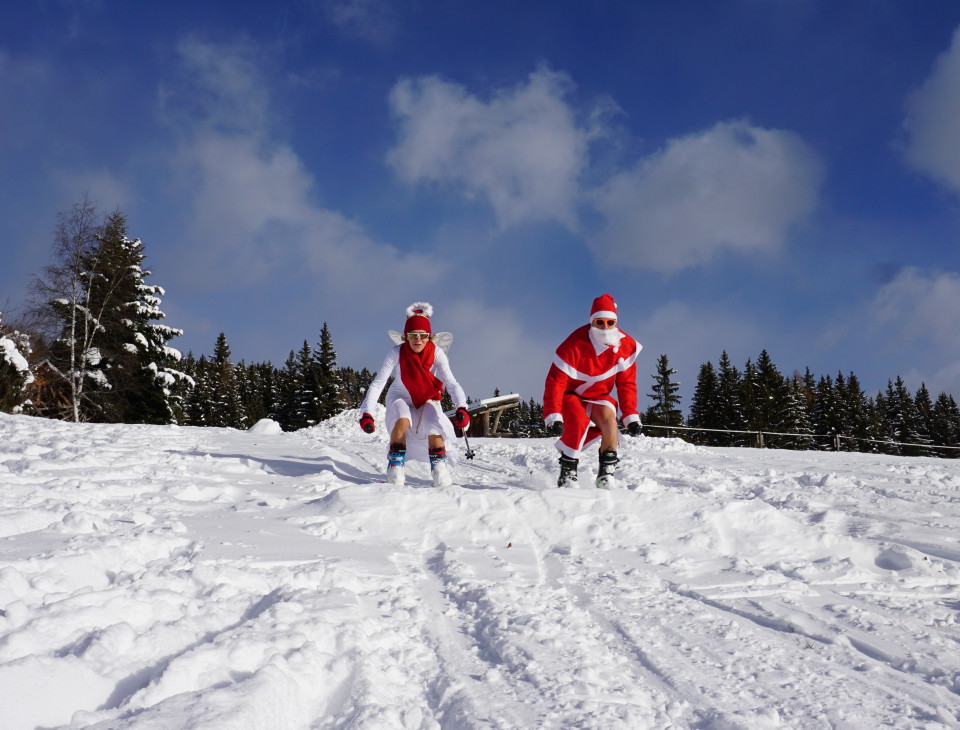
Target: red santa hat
604, 306
418, 318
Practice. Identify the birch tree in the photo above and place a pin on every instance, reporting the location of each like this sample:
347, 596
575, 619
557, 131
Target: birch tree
62, 305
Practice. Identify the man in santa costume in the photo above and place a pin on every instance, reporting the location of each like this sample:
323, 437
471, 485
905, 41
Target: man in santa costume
577, 402
416, 422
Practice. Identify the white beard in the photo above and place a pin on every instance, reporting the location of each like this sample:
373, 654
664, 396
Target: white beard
603, 339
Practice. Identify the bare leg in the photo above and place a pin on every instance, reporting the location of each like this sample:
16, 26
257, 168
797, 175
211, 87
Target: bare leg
606, 420
399, 433
435, 441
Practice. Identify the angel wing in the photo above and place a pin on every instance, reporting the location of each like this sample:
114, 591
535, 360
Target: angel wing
397, 337
443, 340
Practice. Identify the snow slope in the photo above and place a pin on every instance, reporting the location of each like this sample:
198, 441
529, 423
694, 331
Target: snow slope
164, 577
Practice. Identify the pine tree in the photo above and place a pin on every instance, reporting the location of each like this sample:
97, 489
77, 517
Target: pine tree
793, 416
199, 401
306, 408
923, 424
665, 410
771, 400
355, 384
535, 423
857, 415
258, 392
946, 426
705, 406
827, 415
730, 405
521, 424
15, 375
901, 417
840, 392
184, 391
288, 394
226, 408
749, 396
446, 402
330, 386
135, 363
878, 425
809, 389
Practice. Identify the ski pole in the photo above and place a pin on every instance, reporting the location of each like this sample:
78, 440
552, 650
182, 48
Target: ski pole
470, 452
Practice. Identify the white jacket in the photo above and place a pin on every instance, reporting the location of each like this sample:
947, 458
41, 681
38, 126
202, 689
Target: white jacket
441, 369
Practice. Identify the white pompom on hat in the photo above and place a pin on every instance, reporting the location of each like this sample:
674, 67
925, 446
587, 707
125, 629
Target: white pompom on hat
418, 318
604, 306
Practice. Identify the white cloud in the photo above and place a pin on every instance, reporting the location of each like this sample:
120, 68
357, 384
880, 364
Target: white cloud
933, 118
223, 86
372, 20
493, 346
920, 305
253, 209
106, 190
522, 151
734, 188
688, 336
916, 314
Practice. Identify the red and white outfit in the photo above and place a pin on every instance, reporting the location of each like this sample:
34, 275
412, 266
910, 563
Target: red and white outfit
416, 393
587, 366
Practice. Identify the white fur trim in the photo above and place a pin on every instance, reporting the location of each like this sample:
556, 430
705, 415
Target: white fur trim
425, 306
553, 418
631, 418
603, 314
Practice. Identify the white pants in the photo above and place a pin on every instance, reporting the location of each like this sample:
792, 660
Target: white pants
427, 420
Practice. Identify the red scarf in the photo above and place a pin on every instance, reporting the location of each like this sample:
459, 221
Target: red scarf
416, 376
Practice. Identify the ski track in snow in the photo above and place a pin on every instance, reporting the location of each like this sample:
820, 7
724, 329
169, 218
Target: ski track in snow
165, 577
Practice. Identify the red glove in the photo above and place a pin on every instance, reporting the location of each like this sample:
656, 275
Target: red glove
366, 423
461, 419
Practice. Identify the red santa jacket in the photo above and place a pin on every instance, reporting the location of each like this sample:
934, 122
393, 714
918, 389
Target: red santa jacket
578, 367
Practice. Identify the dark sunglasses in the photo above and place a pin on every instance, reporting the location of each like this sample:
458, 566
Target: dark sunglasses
418, 335
604, 322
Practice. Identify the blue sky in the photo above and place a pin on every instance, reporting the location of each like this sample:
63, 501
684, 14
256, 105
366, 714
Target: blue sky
744, 175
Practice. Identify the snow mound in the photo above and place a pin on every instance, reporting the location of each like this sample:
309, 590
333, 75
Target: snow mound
347, 425
266, 426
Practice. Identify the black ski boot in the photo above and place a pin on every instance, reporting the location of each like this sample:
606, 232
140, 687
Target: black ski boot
608, 466
568, 471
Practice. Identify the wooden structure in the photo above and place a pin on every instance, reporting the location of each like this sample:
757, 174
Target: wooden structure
485, 414
49, 393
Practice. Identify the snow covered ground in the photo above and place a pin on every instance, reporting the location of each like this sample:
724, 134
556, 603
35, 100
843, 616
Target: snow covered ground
172, 578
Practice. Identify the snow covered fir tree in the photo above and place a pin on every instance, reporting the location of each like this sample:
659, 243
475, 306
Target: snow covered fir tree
15, 375
101, 320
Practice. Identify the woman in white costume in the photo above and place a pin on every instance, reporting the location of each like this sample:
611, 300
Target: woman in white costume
418, 427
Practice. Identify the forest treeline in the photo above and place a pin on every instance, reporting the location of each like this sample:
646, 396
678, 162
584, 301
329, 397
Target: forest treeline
731, 406
90, 346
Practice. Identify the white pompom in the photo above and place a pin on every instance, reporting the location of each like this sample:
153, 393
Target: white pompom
427, 309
